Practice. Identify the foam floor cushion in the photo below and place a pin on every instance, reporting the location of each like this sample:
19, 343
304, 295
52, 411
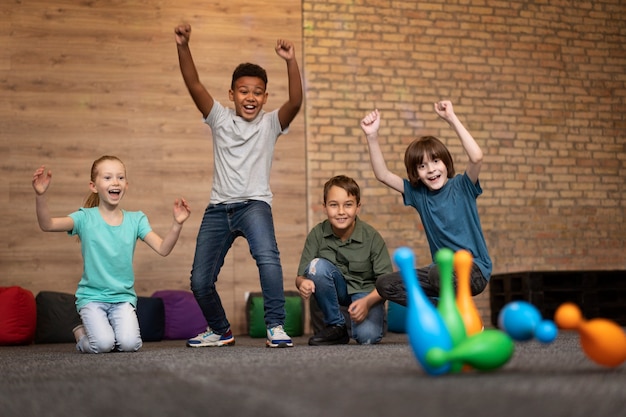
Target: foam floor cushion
183, 317
18, 316
294, 318
151, 316
396, 317
56, 317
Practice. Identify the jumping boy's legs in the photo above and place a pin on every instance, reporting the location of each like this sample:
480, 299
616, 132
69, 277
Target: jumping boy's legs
212, 244
253, 219
221, 225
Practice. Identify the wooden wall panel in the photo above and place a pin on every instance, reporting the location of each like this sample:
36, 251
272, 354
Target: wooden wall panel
79, 80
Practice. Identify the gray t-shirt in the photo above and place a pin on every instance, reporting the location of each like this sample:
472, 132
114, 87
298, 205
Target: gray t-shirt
243, 152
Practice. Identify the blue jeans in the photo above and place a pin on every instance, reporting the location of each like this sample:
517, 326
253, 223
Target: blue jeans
221, 225
331, 292
109, 326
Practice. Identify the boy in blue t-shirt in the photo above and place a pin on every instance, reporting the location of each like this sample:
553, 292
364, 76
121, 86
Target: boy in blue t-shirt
446, 203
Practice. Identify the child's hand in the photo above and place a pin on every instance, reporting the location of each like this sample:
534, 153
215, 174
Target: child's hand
285, 49
181, 210
307, 287
41, 180
371, 122
358, 310
444, 110
183, 32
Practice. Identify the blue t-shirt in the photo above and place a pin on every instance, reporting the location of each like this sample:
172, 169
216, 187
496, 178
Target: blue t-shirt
108, 253
450, 218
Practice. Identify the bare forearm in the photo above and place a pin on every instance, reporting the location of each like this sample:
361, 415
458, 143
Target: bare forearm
379, 166
474, 153
170, 239
295, 83
43, 214
187, 66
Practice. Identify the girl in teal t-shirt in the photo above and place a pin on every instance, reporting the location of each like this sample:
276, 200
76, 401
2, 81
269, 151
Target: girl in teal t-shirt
105, 298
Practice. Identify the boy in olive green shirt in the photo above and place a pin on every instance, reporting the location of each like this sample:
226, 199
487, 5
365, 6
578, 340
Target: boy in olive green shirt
341, 259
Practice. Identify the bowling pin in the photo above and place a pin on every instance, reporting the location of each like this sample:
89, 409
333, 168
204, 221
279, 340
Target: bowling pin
447, 300
463, 260
425, 327
485, 351
602, 340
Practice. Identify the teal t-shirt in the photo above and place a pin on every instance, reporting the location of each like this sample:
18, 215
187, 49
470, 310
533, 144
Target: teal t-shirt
108, 253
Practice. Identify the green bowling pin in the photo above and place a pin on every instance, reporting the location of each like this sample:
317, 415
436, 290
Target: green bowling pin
484, 351
447, 301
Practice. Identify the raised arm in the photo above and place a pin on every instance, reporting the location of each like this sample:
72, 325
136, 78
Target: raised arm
41, 182
164, 246
370, 125
199, 94
291, 107
445, 110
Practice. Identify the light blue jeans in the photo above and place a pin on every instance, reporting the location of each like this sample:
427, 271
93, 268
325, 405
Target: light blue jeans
221, 225
331, 292
109, 326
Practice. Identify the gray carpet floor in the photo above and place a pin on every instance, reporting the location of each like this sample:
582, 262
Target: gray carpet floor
168, 379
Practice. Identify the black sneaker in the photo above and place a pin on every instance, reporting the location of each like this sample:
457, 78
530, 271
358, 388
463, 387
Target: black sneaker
331, 335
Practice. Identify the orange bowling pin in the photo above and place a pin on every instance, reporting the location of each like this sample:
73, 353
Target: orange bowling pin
602, 340
465, 303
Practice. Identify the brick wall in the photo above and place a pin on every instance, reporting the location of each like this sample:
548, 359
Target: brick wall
541, 85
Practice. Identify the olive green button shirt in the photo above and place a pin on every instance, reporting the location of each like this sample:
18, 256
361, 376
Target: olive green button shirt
361, 258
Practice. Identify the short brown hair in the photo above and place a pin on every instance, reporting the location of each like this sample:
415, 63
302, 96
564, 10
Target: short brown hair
347, 183
426, 145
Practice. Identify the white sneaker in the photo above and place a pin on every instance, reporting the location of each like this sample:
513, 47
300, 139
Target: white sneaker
276, 337
79, 332
209, 338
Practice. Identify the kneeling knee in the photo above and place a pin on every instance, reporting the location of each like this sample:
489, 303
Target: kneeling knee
129, 345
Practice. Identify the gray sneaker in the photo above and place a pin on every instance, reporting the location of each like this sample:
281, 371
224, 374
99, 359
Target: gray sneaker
211, 339
276, 337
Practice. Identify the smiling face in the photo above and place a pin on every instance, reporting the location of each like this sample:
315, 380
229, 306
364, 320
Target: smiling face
428, 162
109, 181
249, 96
433, 173
341, 209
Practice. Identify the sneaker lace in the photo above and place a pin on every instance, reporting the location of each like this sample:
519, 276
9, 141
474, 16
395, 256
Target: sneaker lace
279, 332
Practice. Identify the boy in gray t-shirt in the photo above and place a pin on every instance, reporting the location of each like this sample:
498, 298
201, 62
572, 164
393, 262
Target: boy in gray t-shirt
240, 204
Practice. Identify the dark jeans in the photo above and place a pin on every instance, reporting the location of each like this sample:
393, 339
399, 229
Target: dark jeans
391, 286
221, 225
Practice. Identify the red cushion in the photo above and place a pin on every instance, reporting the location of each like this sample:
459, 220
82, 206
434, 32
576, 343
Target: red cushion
18, 316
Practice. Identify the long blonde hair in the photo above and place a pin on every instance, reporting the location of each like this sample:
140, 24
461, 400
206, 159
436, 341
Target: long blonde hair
93, 200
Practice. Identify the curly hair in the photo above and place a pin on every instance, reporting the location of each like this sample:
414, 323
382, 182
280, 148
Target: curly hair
248, 70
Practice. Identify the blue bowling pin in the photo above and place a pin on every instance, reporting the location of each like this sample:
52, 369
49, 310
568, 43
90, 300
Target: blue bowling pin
425, 327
